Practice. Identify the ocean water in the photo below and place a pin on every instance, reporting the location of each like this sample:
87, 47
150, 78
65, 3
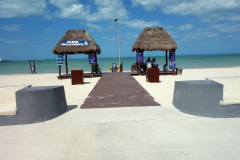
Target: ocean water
182, 61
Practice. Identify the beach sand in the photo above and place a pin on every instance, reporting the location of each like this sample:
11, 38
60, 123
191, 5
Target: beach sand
9, 84
162, 92
123, 133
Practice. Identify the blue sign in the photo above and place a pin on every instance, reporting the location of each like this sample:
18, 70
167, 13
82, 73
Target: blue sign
75, 43
139, 56
172, 65
172, 55
59, 59
114, 67
92, 58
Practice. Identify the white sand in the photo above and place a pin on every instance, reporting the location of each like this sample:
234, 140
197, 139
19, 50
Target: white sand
75, 94
162, 92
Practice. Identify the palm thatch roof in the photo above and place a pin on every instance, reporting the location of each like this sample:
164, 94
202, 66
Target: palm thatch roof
154, 38
76, 35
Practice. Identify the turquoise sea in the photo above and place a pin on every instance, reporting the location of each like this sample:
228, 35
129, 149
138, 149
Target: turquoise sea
182, 61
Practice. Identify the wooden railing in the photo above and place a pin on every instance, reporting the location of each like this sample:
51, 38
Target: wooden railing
134, 67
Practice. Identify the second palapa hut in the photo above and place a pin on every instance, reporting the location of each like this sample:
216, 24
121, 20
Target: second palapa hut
76, 35
154, 38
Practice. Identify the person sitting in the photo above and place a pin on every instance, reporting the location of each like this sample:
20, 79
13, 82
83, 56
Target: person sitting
148, 62
154, 63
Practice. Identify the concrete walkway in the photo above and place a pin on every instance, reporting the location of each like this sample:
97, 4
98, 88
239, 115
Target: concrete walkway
118, 90
142, 133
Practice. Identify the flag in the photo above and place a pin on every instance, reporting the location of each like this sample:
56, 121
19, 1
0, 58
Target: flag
116, 20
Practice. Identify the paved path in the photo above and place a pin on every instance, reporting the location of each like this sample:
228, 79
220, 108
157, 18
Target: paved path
130, 133
118, 90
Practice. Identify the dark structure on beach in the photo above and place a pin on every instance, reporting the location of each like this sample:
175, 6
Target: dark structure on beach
76, 35
154, 38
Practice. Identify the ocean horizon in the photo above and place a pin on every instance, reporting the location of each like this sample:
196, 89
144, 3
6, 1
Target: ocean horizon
182, 61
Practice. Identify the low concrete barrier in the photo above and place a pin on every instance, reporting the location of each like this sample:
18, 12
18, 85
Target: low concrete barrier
202, 98
37, 104
199, 97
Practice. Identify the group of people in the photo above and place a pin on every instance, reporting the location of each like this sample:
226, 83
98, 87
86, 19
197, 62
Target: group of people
153, 63
149, 64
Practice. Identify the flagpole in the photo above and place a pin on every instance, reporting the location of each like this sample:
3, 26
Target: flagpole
118, 45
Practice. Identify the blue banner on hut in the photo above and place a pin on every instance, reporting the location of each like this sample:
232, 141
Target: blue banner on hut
75, 43
92, 58
139, 56
172, 56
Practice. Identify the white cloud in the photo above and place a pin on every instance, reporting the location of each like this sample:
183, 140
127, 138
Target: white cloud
185, 27
231, 37
47, 29
63, 3
149, 5
110, 39
226, 27
206, 10
12, 41
106, 10
21, 8
212, 35
11, 27
128, 35
140, 24
93, 26
198, 35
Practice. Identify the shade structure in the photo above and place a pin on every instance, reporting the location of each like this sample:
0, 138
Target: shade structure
154, 38
77, 35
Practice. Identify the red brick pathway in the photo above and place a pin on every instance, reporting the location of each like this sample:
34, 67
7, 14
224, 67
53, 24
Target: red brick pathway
118, 90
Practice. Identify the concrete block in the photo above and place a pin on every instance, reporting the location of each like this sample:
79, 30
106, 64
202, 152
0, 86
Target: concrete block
199, 97
37, 104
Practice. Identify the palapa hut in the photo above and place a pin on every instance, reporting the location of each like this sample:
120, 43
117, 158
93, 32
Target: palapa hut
154, 38
76, 35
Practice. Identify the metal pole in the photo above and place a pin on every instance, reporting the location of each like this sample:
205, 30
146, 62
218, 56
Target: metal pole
118, 45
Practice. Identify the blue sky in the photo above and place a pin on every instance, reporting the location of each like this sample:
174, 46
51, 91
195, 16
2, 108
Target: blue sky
29, 29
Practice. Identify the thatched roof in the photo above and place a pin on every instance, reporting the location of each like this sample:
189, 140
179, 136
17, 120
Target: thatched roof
154, 38
77, 35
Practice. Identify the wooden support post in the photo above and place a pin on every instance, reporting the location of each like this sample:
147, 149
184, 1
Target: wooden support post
140, 67
166, 59
92, 70
59, 69
173, 72
96, 71
66, 63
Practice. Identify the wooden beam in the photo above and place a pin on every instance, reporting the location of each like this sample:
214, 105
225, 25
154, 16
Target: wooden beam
59, 70
66, 63
92, 70
140, 67
96, 64
166, 59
